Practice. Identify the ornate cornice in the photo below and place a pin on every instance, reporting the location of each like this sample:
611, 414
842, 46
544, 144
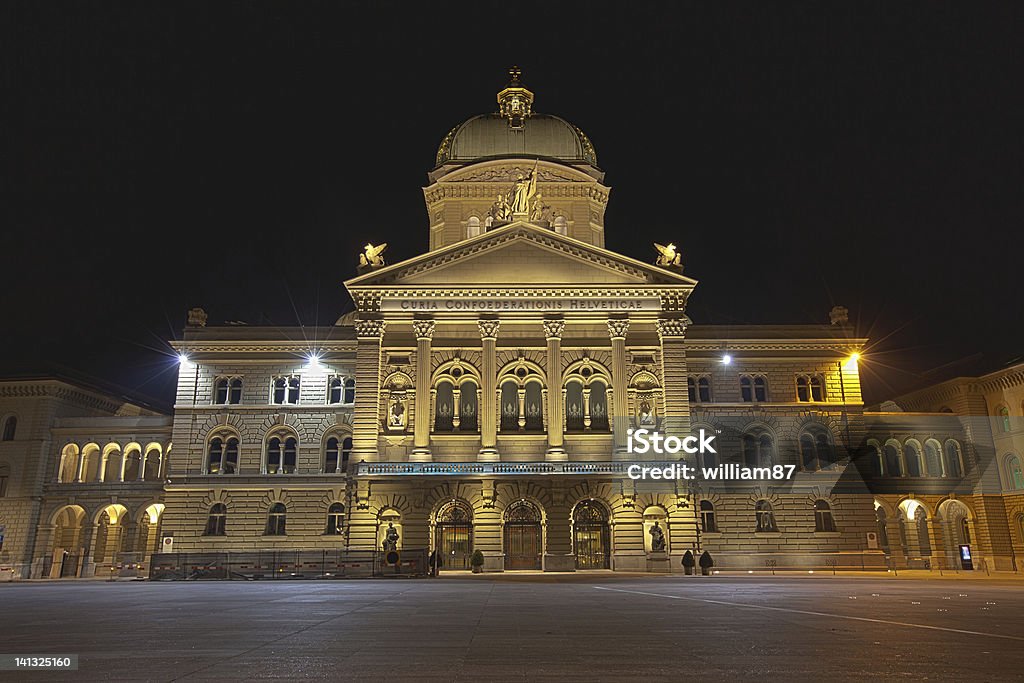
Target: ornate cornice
839, 347
674, 328
470, 190
370, 329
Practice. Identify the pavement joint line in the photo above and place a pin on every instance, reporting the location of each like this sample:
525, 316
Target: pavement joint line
816, 614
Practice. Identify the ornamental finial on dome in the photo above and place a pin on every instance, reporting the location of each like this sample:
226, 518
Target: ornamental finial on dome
515, 102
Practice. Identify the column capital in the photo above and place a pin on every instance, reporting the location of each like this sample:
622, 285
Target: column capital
553, 329
488, 328
424, 329
674, 327
370, 328
617, 327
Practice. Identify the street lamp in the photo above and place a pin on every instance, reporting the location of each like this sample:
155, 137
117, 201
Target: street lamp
851, 363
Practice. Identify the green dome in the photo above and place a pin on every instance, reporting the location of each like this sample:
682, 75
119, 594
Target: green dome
489, 136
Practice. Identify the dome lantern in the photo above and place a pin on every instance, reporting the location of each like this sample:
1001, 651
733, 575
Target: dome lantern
515, 101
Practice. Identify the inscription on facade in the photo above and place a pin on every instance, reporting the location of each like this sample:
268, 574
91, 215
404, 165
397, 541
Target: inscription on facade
498, 304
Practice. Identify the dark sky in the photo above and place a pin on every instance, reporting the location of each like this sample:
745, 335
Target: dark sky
235, 155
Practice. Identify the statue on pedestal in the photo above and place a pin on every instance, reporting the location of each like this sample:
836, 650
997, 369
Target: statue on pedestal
657, 538
390, 538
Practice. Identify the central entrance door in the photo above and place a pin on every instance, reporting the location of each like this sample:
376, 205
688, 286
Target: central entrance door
591, 537
453, 535
523, 536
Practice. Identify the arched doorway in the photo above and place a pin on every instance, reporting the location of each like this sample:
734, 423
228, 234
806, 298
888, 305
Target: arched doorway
453, 535
956, 530
590, 536
67, 543
111, 535
523, 536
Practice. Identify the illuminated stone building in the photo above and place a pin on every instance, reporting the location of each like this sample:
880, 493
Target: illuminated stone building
479, 397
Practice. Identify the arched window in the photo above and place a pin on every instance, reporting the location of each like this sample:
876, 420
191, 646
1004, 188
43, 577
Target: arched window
1016, 474
444, 408
472, 227
216, 520
1004, 418
350, 391
877, 463
758, 450
707, 517
533, 406
281, 455
753, 389
335, 519
335, 389
286, 390
276, 520
765, 516
912, 456
810, 388
5, 475
222, 456
823, 519
10, 427
893, 463
509, 407
704, 389
574, 406
336, 452
816, 449
691, 389
228, 390
561, 225
954, 466
933, 458
469, 411
598, 407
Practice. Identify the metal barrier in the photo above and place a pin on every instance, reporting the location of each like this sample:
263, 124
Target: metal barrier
285, 564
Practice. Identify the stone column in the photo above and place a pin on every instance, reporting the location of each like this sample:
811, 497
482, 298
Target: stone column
619, 409
673, 374
366, 417
553, 334
489, 404
424, 330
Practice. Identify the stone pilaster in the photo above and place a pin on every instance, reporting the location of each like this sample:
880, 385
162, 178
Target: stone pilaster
366, 417
673, 372
489, 404
424, 330
553, 334
618, 411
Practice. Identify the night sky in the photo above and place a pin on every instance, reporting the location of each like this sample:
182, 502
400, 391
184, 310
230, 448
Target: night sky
236, 155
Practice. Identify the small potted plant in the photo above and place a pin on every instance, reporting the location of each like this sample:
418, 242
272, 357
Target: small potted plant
706, 563
477, 561
688, 563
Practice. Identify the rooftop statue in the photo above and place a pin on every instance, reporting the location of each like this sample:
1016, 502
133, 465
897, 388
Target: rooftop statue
668, 257
371, 256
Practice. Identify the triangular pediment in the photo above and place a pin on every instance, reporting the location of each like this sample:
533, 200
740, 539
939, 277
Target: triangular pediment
520, 254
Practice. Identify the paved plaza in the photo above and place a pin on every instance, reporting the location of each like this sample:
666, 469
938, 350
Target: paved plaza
594, 626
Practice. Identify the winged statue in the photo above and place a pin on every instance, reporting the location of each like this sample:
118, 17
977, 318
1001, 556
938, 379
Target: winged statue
371, 256
668, 256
